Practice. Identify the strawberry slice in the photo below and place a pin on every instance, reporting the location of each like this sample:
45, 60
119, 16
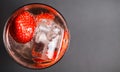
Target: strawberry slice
44, 17
23, 27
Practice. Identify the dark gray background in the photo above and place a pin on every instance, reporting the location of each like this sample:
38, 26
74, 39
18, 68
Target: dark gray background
95, 35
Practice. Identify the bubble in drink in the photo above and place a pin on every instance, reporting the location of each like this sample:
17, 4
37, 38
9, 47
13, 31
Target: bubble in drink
36, 36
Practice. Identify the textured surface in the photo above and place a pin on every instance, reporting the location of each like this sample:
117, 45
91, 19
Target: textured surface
95, 35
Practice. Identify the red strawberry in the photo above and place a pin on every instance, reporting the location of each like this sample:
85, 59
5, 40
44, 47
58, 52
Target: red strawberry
23, 27
46, 16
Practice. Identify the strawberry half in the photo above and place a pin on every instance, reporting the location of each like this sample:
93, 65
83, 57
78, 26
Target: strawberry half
23, 27
44, 16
